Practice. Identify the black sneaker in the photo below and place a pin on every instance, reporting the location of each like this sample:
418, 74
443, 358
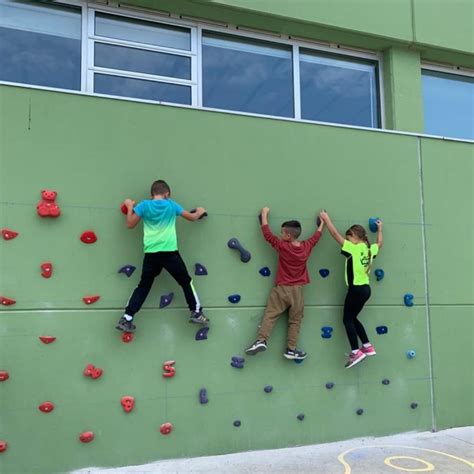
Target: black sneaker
257, 346
124, 325
198, 317
294, 354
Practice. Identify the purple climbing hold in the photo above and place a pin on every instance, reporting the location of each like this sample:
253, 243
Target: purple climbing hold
128, 270
324, 272
234, 299
202, 333
268, 389
200, 270
265, 271
165, 300
203, 396
300, 416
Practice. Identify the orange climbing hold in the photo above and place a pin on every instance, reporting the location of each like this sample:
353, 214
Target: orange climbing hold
8, 234
47, 339
7, 301
4, 375
168, 368
91, 299
166, 428
46, 269
86, 437
48, 207
46, 407
127, 403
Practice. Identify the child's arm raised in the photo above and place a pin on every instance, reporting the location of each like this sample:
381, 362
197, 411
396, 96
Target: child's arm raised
132, 218
379, 233
332, 230
314, 239
267, 232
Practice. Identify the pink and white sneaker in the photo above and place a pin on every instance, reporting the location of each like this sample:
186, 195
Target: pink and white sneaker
355, 359
368, 351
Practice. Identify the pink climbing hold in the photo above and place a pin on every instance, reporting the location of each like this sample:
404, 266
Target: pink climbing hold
86, 437
127, 337
127, 403
46, 407
166, 428
3, 445
46, 269
48, 207
8, 234
4, 375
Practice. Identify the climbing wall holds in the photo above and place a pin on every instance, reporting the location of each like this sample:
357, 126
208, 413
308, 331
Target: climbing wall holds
265, 272
91, 299
127, 403
298, 361
46, 269
237, 362
414, 405
48, 207
381, 329
268, 389
330, 385
168, 369
7, 301
411, 354
92, 371
88, 237
360, 411
326, 332
8, 234
128, 270
234, 244
86, 437
385, 382
166, 300
408, 299
201, 333
324, 272
124, 209
127, 337
237, 423
47, 339
373, 223
200, 270
300, 416
166, 428
379, 274
3, 445
203, 396
192, 211
234, 299
4, 375
46, 407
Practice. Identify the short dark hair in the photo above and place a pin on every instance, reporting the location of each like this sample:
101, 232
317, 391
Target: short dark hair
159, 187
293, 228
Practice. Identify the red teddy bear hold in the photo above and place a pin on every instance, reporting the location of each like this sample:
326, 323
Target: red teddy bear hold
47, 207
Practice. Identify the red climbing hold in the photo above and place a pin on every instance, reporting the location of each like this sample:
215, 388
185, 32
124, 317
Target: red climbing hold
4, 375
91, 299
46, 269
168, 368
166, 428
7, 301
8, 234
92, 371
88, 370
46, 407
47, 207
127, 337
97, 373
127, 403
124, 209
88, 237
3, 445
47, 339
86, 437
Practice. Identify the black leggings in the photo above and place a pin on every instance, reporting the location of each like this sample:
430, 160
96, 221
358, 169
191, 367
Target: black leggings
153, 263
356, 297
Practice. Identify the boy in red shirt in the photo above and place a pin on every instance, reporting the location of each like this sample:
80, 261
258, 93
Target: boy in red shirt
292, 275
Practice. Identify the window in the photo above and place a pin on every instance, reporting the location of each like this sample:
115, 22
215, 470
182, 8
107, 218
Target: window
247, 75
40, 44
448, 101
337, 89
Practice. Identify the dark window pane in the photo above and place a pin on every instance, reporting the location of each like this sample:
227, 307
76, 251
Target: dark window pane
338, 90
448, 102
140, 31
40, 44
138, 60
247, 75
141, 89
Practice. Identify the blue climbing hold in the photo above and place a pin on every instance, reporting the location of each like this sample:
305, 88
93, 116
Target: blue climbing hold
234, 244
300, 416
298, 361
237, 423
268, 389
200, 270
360, 411
165, 300
203, 396
202, 333
326, 332
237, 362
373, 223
265, 272
324, 272
330, 385
379, 274
128, 270
385, 382
408, 299
381, 329
413, 405
234, 299
411, 354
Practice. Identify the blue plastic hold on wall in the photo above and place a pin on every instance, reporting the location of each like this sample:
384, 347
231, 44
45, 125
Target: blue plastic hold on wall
411, 354
413, 405
330, 385
234, 244
408, 299
298, 361
200, 270
324, 272
237, 362
234, 299
360, 411
379, 274
326, 332
300, 416
265, 272
385, 382
381, 329
237, 423
373, 223
128, 270
268, 389
202, 333
165, 300
203, 396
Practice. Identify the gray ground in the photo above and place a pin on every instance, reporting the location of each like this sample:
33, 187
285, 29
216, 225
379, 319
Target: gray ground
449, 451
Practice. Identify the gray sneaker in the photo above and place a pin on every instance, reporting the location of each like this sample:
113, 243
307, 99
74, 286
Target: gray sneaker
198, 317
257, 346
124, 325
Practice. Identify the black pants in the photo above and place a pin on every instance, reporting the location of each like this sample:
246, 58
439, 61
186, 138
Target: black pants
356, 297
153, 263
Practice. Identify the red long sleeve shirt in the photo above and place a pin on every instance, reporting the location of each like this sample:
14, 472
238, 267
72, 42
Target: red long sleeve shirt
291, 258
